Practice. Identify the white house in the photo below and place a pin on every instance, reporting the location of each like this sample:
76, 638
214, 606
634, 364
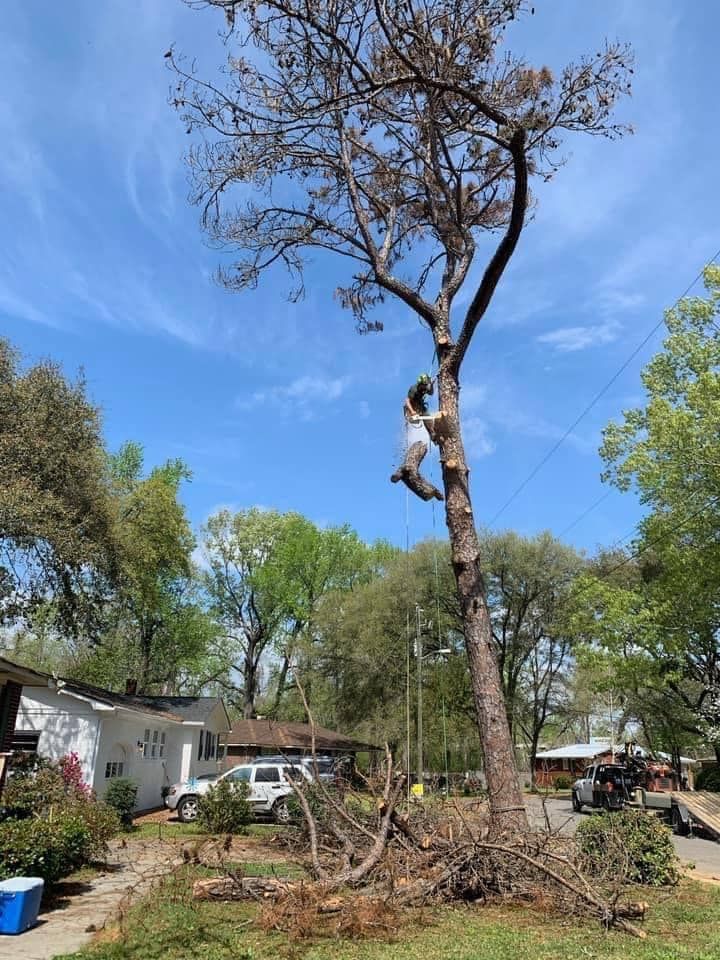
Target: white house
156, 741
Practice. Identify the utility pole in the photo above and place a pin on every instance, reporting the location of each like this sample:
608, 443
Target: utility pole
419, 655
408, 754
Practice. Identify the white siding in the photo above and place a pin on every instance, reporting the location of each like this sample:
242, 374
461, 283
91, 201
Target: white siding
66, 726
122, 732
102, 735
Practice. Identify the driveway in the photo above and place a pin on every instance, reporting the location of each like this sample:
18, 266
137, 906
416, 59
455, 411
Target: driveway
705, 854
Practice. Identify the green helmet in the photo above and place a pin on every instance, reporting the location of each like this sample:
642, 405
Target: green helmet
424, 378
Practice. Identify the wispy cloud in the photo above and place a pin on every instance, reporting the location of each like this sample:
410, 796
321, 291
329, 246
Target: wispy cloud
477, 439
572, 339
301, 397
496, 409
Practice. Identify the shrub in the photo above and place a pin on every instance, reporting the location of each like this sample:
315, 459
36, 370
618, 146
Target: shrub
72, 776
563, 782
708, 779
47, 848
33, 787
315, 797
121, 795
628, 845
103, 823
225, 808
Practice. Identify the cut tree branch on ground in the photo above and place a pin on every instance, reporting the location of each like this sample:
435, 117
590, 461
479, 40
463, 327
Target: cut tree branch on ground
429, 853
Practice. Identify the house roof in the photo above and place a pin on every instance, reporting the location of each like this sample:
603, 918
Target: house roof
175, 709
293, 736
119, 700
189, 709
596, 748
24, 675
579, 751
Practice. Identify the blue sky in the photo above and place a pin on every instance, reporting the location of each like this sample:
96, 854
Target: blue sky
104, 267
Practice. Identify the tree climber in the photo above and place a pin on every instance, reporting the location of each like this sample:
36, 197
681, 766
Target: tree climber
417, 422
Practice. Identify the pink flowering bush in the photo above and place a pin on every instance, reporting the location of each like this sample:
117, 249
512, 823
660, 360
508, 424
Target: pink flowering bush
71, 771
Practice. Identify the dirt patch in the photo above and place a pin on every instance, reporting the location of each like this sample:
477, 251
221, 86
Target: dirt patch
161, 815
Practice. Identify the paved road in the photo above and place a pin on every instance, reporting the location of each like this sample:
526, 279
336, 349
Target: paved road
705, 854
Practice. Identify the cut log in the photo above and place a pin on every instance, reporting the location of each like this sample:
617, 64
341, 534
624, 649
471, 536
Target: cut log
240, 888
409, 473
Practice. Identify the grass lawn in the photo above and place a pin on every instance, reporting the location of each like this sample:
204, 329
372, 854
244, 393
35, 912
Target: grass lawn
684, 924
163, 830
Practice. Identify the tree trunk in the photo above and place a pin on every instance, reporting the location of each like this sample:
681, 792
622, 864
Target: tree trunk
409, 473
533, 756
147, 633
281, 681
507, 809
250, 678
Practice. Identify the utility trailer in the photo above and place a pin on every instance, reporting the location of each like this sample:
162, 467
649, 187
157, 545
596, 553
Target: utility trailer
614, 786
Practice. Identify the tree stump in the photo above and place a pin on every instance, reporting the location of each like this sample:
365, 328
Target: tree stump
409, 473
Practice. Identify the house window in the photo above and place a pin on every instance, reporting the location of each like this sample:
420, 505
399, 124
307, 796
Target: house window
116, 765
25, 741
153, 745
565, 763
200, 746
209, 746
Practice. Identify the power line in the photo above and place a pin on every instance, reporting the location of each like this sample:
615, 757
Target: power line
712, 502
598, 396
585, 512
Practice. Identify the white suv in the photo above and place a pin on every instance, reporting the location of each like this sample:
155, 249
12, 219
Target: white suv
269, 789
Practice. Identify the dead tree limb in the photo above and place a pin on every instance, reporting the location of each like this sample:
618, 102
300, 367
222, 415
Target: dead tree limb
410, 475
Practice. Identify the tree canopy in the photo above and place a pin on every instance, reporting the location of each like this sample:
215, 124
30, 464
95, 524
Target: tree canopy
658, 615
56, 509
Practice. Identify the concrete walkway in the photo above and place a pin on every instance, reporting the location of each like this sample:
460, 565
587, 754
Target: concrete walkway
84, 907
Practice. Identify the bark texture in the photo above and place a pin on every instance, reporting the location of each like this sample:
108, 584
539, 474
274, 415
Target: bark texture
505, 796
410, 475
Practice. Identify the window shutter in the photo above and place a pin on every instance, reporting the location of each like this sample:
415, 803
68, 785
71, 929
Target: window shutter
9, 703
200, 746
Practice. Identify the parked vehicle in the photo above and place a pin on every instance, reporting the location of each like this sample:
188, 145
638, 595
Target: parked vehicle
329, 768
267, 782
636, 782
604, 785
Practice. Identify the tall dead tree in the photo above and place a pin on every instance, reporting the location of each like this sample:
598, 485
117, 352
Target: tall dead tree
397, 135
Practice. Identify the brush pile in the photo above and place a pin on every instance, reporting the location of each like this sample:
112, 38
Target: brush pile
368, 857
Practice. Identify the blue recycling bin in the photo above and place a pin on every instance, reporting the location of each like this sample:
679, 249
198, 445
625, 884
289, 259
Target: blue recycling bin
20, 903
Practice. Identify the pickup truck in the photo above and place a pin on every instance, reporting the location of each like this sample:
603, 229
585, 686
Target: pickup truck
605, 785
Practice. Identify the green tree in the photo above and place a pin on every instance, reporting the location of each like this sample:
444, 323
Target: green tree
401, 137
267, 572
364, 665
529, 588
157, 631
56, 509
314, 561
663, 627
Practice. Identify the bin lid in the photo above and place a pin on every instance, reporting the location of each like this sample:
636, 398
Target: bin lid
20, 884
